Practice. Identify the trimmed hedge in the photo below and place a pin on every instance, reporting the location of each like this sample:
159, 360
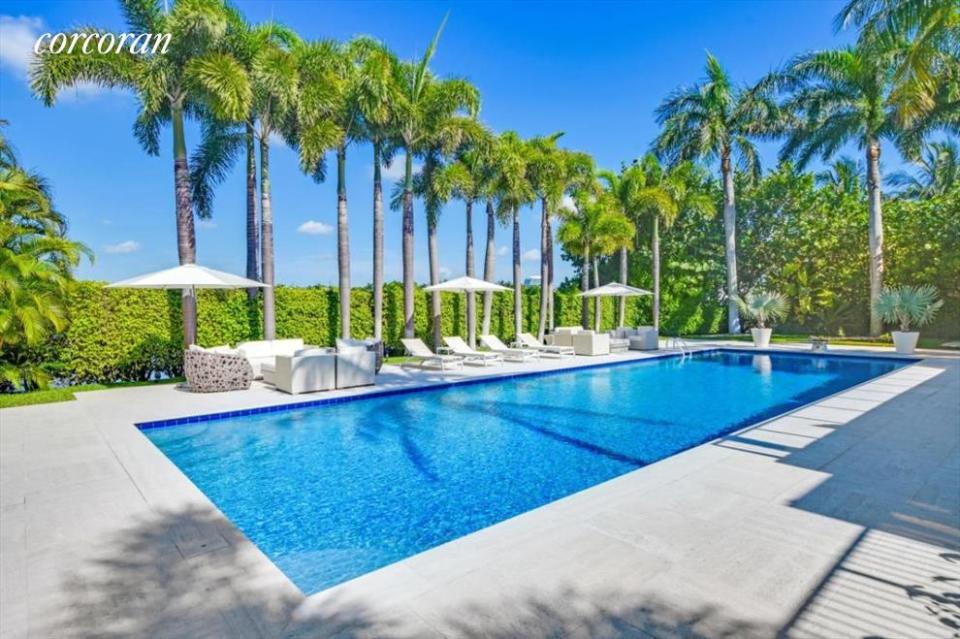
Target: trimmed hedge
129, 334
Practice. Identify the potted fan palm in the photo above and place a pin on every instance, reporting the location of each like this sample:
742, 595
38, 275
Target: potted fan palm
907, 306
763, 307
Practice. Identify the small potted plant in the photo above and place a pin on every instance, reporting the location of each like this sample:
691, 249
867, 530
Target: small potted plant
907, 306
763, 307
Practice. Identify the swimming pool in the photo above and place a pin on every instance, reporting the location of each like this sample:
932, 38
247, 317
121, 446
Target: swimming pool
334, 491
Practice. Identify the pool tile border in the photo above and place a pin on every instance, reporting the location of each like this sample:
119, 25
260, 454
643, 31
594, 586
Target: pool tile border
327, 401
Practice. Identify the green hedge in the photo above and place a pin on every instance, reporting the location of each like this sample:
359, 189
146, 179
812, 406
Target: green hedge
128, 334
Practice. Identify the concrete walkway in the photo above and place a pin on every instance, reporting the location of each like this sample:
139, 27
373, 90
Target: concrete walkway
841, 519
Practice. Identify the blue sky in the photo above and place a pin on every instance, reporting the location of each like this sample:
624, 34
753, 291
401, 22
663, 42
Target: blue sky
595, 71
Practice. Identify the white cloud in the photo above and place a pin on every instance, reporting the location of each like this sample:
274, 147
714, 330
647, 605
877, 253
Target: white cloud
17, 37
533, 255
18, 34
206, 224
568, 203
130, 246
502, 250
312, 227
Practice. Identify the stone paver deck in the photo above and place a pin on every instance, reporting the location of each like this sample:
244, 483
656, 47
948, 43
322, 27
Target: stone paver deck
841, 519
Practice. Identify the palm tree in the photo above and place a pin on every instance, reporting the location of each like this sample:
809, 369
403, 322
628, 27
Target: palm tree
422, 104
513, 189
552, 172
222, 142
838, 97
845, 176
36, 270
468, 178
196, 74
624, 189
444, 133
594, 229
667, 193
926, 35
938, 171
715, 120
376, 93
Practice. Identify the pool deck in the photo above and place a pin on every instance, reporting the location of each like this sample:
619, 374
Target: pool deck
841, 519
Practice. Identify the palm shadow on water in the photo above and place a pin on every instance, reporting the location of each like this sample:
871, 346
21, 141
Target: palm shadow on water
388, 420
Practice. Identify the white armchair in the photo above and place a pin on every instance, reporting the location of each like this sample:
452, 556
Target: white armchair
306, 372
356, 364
590, 343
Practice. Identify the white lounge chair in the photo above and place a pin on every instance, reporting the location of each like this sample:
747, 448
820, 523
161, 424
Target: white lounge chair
469, 355
529, 341
493, 343
425, 357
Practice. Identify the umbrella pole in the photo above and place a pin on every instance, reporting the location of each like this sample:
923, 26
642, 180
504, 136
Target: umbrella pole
191, 336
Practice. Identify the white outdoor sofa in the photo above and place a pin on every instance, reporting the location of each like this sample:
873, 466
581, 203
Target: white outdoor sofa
642, 338
583, 342
263, 352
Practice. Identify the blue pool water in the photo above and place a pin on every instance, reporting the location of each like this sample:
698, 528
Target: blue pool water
331, 492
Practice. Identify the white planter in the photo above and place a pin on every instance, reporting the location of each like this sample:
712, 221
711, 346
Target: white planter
905, 342
761, 337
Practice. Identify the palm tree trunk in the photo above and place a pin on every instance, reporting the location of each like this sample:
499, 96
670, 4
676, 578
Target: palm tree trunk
656, 271
875, 230
550, 271
471, 297
730, 242
517, 291
489, 266
343, 243
622, 311
253, 239
408, 301
544, 267
377, 244
435, 302
597, 303
186, 235
584, 287
266, 238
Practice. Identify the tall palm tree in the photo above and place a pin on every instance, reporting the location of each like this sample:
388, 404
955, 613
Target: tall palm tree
596, 227
468, 178
275, 79
625, 188
376, 93
667, 193
194, 75
552, 173
444, 133
938, 171
513, 189
926, 34
716, 120
838, 97
222, 142
422, 104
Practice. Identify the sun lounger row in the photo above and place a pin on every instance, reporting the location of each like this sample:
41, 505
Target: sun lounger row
457, 352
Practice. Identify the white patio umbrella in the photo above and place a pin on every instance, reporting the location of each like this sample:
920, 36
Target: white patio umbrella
188, 277
613, 289
467, 285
